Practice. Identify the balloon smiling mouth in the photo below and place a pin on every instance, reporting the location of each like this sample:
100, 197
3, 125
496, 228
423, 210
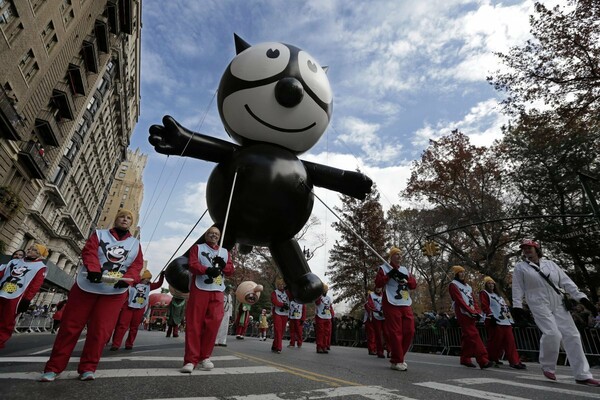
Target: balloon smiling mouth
276, 127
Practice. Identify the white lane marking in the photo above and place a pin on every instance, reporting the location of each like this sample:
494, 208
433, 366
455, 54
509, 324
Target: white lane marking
150, 372
110, 359
481, 394
50, 349
540, 378
483, 381
368, 392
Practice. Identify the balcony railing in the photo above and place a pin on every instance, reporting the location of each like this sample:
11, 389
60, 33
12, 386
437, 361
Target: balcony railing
9, 118
33, 160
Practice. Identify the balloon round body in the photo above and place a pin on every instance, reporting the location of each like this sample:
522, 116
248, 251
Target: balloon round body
270, 202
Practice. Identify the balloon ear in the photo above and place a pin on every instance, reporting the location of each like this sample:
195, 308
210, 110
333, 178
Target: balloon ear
240, 44
325, 68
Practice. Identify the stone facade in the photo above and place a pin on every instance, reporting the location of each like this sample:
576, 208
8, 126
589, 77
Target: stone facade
69, 102
127, 191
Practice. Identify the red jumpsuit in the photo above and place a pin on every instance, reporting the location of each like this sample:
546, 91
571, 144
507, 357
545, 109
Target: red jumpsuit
296, 323
500, 337
399, 326
98, 311
204, 310
279, 320
323, 325
470, 341
131, 318
8, 307
377, 327
369, 332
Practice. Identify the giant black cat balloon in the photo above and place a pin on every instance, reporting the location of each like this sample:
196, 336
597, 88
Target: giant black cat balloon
274, 99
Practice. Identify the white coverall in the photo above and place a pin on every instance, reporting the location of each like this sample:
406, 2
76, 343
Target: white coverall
224, 327
550, 316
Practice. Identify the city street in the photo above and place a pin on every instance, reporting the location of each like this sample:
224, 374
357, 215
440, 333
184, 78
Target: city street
247, 369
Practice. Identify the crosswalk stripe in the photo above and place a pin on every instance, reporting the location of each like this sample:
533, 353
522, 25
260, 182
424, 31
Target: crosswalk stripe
145, 372
368, 392
481, 394
483, 381
110, 359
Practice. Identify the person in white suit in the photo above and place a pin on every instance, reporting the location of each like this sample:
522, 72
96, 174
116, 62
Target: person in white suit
228, 308
543, 283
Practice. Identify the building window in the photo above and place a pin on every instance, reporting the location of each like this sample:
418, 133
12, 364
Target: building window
49, 36
66, 10
16, 181
36, 4
9, 20
28, 66
59, 176
8, 13
26, 241
12, 97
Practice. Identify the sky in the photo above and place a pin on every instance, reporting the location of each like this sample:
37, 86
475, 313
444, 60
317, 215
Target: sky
402, 72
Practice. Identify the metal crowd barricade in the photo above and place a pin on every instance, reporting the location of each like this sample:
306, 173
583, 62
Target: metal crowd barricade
590, 338
23, 323
347, 336
432, 339
41, 323
451, 340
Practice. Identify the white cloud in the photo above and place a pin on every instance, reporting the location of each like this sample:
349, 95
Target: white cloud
482, 124
365, 135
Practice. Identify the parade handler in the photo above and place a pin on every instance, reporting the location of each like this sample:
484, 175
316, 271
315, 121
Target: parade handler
544, 284
467, 313
22, 279
323, 315
399, 326
204, 310
132, 312
112, 260
498, 324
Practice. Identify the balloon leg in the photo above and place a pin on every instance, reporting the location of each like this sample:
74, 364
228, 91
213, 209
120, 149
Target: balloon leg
305, 286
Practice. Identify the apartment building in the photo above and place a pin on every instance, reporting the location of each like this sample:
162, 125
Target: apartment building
127, 191
70, 96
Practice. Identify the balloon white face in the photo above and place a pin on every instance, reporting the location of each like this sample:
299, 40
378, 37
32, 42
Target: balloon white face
252, 90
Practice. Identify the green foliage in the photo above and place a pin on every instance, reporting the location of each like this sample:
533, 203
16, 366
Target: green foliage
553, 95
352, 265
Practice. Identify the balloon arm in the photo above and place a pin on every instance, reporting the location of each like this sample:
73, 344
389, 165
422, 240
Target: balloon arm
209, 148
173, 139
350, 183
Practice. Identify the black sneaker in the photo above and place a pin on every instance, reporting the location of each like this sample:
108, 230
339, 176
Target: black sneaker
518, 366
488, 365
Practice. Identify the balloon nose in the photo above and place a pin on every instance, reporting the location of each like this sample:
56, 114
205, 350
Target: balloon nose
289, 92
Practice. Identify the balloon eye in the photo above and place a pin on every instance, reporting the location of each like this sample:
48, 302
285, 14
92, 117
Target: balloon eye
311, 66
272, 53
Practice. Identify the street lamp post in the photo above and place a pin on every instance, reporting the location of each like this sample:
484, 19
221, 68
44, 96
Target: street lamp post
307, 253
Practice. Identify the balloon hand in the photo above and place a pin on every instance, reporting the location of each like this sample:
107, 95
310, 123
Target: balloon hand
170, 138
